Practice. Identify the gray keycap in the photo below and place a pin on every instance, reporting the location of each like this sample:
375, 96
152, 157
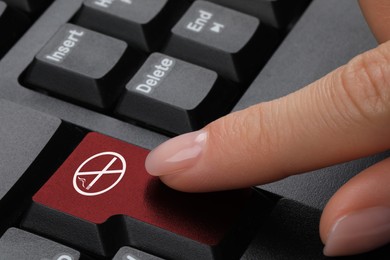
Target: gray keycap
24, 134
17, 244
32, 146
12, 26
29, 6
216, 26
218, 38
2, 7
138, 22
277, 13
174, 95
128, 253
3, 35
80, 64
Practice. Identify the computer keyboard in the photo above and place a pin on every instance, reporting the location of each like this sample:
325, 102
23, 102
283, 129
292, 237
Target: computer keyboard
87, 88
191, 76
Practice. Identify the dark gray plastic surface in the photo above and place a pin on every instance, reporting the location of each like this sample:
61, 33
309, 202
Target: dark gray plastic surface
79, 64
291, 233
216, 26
27, 5
3, 6
173, 95
17, 60
17, 244
23, 135
327, 36
128, 253
12, 25
118, 18
216, 37
138, 11
276, 13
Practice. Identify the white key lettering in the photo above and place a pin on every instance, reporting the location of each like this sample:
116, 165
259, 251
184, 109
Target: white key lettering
108, 3
103, 3
67, 45
153, 79
200, 23
64, 257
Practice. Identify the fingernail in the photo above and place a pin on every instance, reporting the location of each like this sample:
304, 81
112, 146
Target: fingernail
177, 154
359, 232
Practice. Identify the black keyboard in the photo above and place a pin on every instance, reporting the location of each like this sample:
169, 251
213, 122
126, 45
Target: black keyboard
87, 88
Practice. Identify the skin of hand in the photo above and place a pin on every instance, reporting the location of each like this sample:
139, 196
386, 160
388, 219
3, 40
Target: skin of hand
347, 112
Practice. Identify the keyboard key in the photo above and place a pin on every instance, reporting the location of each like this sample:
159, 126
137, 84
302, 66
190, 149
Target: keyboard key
128, 253
101, 199
32, 147
29, 6
82, 65
21, 245
277, 13
220, 39
141, 23
175, 96
12, 25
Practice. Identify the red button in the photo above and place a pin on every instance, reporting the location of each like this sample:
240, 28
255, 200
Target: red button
105, 177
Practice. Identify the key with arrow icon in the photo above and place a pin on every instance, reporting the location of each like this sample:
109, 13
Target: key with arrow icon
217, 27
221, 39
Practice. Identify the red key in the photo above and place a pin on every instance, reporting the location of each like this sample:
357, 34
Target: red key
102, 198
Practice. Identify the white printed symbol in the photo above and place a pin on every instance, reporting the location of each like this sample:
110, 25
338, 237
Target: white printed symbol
60, 257
64, 257
199, 23
129, 257
81, 177
103, 3
217, 27
108, 3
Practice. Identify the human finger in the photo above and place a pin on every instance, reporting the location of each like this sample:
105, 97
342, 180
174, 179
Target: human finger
343, 116
377, 14
357, 218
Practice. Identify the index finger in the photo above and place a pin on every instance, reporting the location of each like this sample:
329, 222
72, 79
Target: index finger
341, 117
377, 13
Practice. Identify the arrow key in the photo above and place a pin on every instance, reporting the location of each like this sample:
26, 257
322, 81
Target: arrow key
221, 39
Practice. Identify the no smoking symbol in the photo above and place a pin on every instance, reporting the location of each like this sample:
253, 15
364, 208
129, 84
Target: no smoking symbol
85, 181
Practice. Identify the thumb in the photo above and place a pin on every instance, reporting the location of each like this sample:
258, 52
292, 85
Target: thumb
357, 218
343, 116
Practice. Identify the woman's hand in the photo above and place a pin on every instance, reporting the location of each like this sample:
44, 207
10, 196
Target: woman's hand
342, 116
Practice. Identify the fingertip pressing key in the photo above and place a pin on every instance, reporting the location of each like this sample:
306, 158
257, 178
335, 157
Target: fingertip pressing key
177, 154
